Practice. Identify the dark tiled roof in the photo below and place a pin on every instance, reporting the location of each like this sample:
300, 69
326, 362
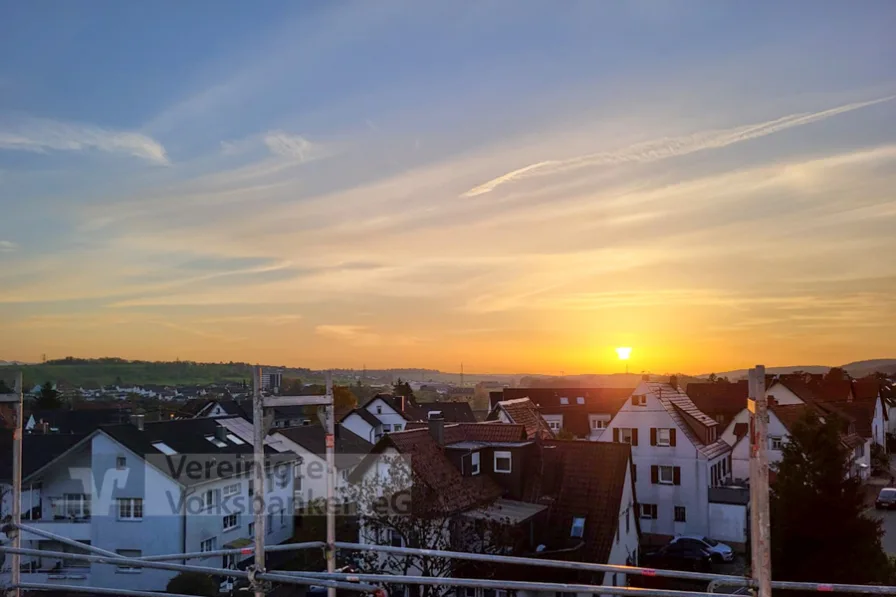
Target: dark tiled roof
392, 401
866, 389
80, 421
350, 448
523, 411
741, 429
369, 417
575, 416
484, 432
452, 412
186, 436
688, 418
193, 407
789, 414
445, 487
862, 412
587, 481
724, 400
38, 450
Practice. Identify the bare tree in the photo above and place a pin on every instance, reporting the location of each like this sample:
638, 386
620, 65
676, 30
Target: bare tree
399, 509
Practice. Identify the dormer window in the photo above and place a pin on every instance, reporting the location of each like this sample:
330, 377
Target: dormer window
580, 400
639, 399
578, 527
379, 409
564, 400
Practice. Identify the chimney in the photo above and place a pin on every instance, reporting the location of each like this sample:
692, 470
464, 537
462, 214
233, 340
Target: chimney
45, 427
437, 429
221, 433
137, 421
673, 381
645, 377
401, 404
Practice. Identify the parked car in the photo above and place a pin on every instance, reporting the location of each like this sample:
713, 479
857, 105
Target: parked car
679, 556
719, 551
886, 499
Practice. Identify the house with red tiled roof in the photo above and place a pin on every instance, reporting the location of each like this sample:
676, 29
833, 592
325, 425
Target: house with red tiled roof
582, 412
563, 499
522, 411
790, 396
678, 455
720, 400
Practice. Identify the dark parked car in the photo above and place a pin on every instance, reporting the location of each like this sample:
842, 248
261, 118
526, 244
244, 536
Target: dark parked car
886, 499
679, 556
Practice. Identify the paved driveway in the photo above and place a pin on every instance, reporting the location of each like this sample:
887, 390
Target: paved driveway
889, 538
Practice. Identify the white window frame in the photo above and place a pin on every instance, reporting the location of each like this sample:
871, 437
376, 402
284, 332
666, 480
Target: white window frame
580, 400
128, 568
392, 535
121, 462
130, 505
564, 401
209, 499
235, 520
81, 501
208, 545
578, 527
663, 441
659, 474
643, 511
622, 432
387, 428
640, 399
397, 427
599, 423
775, 439
230, 490
675, 514
554, 424
474, 464
501, 455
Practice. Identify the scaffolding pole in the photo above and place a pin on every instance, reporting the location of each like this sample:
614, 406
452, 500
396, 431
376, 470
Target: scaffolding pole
259, 433
295, 579
33, 586
234, 551
331, 482
759, 511
16, 400
61, 539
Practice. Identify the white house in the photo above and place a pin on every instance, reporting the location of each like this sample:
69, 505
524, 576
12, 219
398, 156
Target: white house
309, 443
170, 487
678, 456
381, 414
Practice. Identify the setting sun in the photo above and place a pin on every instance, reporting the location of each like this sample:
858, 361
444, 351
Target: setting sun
624, 352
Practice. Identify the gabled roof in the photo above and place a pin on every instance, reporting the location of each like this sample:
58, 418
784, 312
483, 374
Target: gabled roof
523, 411
187, 437
446, 489
690, 419
575, 404
488, 432
862, 412
365, 414
867, 389
719, 399
390, 400
350, 448
38, 450
586, 479
789, 414
194, 407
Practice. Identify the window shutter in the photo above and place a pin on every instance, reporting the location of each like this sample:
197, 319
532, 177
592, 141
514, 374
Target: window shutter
616, 434
634, 473
654, 474
634, 436
653, 436
635, 399
676, 475
672, 436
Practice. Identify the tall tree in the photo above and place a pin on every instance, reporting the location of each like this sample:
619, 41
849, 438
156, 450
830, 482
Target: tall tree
819, 530
836, 374
48, 399
402, 388
343, 398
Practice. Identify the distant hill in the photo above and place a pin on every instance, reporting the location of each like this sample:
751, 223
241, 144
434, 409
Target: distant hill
855, 369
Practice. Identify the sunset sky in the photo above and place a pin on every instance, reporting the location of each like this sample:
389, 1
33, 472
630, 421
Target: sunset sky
518, 186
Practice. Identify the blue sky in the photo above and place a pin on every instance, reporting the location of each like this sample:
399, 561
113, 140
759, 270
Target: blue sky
519, 185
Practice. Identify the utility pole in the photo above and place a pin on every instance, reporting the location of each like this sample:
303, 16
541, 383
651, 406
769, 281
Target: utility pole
760, 526
331, 483
15, 533
259, 432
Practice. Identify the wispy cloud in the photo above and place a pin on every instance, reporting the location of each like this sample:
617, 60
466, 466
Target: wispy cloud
43, 135
292, 146
659, 149
7, 246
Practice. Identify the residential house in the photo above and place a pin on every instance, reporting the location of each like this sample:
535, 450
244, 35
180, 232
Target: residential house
522, 411
74, 421
869, 391
363, 423
789, 398
720, 400
678, 455
569, 500
150, 489
309, 443
582, 412
282, 416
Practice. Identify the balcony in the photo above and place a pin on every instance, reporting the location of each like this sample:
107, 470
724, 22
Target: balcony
68, 516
